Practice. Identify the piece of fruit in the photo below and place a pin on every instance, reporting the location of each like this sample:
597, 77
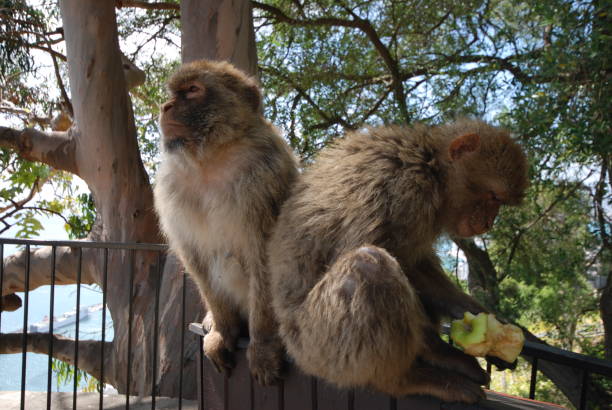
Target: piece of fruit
483, 334
471, 334
509, 344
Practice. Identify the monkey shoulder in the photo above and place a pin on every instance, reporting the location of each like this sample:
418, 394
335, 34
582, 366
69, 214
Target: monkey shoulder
368, 187
389, 165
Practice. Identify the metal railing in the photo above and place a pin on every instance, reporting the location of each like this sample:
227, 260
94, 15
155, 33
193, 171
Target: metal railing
216, 392
105, 248
586, 365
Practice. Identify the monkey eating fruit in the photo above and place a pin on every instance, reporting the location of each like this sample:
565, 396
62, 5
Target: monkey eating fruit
224, 174
357, 287
483, 334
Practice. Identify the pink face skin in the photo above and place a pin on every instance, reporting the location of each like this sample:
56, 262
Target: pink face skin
476, 217
479, 220
172, 129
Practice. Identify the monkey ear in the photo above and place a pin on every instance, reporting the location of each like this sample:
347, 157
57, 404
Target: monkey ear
462, 145
253, 96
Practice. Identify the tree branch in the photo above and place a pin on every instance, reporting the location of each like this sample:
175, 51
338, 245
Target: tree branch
36, 187
329, 119
503, 63
521, 231
40, 266
60, 83
63, 349
56, 149
366, 27
482, 276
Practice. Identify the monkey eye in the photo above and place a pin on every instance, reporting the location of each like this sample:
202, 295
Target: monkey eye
193, 91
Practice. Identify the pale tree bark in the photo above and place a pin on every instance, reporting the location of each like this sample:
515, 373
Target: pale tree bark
219, 30
101, 147
41, 263
52, 148
63, 349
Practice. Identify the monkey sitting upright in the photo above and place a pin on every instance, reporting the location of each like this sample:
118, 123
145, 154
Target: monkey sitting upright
357, 287
224, 174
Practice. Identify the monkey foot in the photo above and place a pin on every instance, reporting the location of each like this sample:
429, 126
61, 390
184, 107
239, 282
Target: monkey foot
265, 361
218, 353
446, 385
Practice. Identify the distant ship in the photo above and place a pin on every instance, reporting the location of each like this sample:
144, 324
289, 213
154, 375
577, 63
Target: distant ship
66, 319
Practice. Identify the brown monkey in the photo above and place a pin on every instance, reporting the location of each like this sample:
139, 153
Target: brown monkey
356, 285
224, 174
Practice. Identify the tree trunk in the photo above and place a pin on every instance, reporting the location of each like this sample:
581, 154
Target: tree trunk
219, 30
605, 301
101, 147
482, 278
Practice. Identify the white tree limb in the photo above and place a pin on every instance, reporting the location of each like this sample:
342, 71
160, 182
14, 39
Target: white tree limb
63, 349
56, 149
40, 264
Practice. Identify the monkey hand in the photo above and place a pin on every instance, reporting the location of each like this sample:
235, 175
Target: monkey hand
501, 364
266, 360
218, 351
483, 335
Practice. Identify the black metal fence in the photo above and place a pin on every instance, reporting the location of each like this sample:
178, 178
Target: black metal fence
585, 365
104, 248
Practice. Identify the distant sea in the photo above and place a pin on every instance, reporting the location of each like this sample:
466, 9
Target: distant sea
90, 327
38, 310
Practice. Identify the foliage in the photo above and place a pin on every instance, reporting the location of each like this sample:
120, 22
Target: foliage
147, 99
64, 376
151, 38
17, 20
541, 68
528, 245
81, 221
516, 382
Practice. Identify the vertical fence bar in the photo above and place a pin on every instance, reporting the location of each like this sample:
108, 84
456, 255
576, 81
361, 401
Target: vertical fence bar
489, 368
534, 375
180, 406
24, 334
24, 344
155, 329
583, 389
130, 317
104, 280
76, 334
200, 366
51, 313
1, 280
350, 405
281, 395
314, 394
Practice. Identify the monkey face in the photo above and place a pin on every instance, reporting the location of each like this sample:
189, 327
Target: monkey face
210, 102
475, 218
178, 114
487, 171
